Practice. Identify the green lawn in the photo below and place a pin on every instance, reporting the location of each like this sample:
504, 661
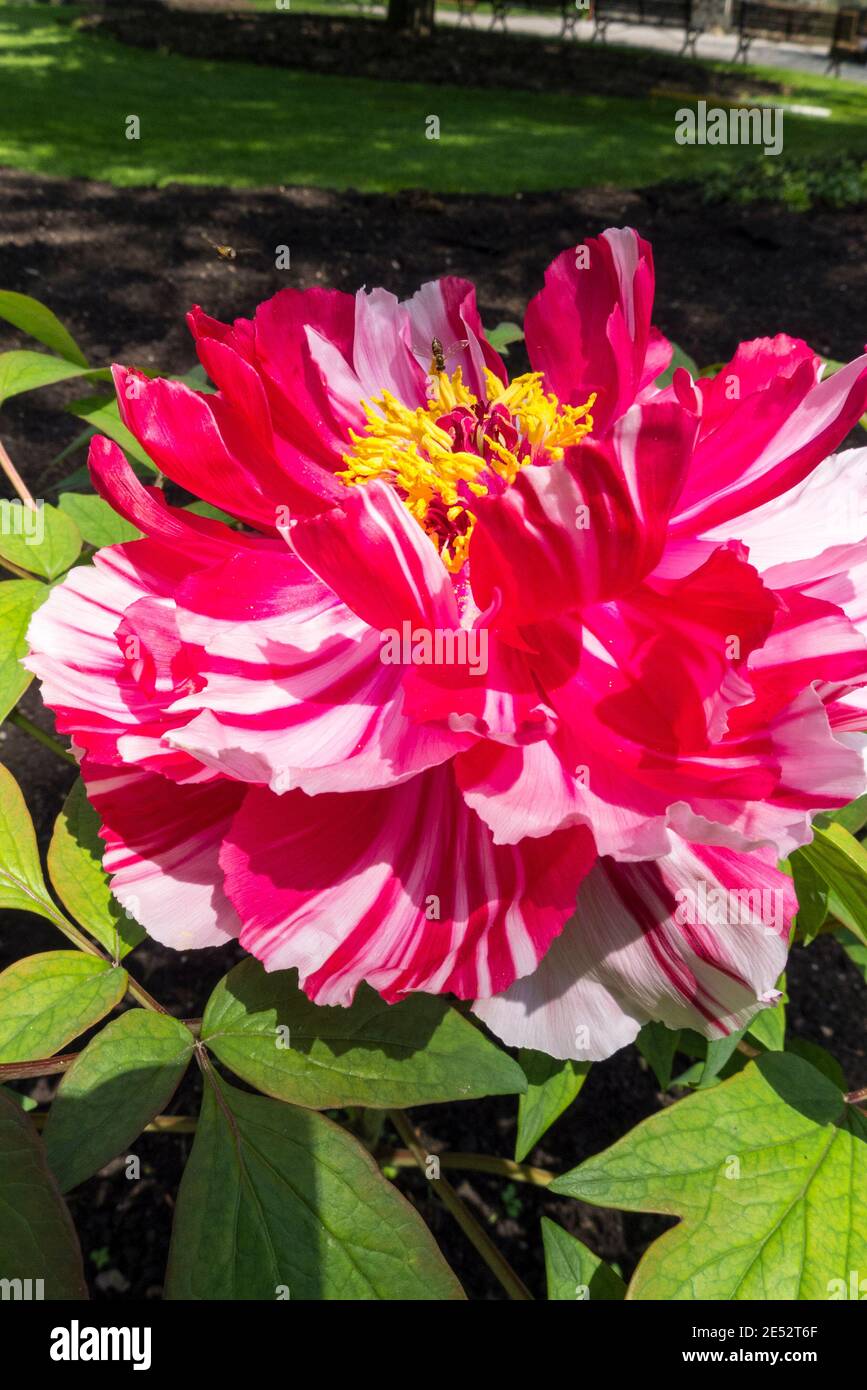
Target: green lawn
66, 94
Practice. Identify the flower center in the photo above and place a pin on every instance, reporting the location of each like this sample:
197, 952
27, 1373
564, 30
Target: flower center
441, 456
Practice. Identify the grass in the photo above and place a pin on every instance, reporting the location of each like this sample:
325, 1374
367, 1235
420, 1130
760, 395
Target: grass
67, 93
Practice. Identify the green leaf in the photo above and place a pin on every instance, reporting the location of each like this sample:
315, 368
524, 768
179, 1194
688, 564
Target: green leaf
127, 1074
213, 513
75, 868
841, 862
658, 1046
98, 523
102, 414
820, 1059
22, 370
769, 1025
21, 883
280, 1202
679, 358
574, 1272
37, 1237
48, 999
381, 1055
36, 319
47, 550
768, 1172
852, 817
19, 599
719, 1052
551, 1088
504, 334
812, 893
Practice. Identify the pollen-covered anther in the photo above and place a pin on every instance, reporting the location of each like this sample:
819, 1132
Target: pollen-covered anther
442, 455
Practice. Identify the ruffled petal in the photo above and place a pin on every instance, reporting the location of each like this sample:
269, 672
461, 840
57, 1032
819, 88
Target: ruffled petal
768, 443
357, 887
589, 329
585, 529
694, 940
446, 309
162, 843
376, 557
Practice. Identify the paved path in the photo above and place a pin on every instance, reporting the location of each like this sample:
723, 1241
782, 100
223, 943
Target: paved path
716, 46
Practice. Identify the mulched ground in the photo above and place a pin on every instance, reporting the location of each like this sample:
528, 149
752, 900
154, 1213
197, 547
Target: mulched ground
120, 267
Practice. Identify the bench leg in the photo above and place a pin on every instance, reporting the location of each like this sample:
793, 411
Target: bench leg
689, 43
600, 25
570, 19
742, 49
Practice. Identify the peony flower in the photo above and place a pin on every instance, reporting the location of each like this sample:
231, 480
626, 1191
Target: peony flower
478, 646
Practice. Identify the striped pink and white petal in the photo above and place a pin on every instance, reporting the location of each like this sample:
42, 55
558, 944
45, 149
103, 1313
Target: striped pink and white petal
374, 555
696, 939
90, 666
582, 530
403, 888
767, 444
162, 846
446, 309
589, 329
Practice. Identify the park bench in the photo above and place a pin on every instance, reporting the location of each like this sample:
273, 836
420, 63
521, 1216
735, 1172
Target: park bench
569, 12
849, 44
669, 14
765, 19
678, 14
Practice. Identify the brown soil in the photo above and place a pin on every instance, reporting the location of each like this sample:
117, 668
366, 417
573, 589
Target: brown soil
120, 267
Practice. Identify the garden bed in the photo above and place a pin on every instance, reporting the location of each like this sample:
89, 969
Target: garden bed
358, 47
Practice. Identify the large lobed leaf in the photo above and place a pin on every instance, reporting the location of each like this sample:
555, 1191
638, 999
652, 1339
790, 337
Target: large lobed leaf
768, 1171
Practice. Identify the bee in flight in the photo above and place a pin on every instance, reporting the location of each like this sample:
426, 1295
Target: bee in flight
224, 251
440, 355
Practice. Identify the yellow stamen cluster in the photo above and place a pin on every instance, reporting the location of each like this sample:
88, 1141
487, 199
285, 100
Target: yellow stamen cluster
412, 451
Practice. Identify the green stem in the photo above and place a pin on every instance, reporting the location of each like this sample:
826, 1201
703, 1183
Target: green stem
18, 717
16, 570
496, 1262
474, 1163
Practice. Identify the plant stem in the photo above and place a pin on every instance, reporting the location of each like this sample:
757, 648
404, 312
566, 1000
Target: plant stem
43, 1066
16, 479
160, 1124
496, 1262
856, 1097
16, 570
474, 1163
18, 717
